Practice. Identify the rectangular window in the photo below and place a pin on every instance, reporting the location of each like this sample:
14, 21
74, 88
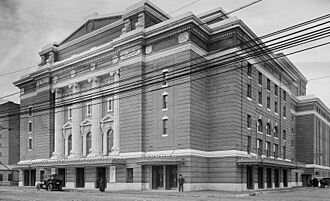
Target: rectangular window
30, 110
165, 101
292, 143
260, 97
0, 145
284, 152
260, 78
284, 134
276, 107
268, 102
10, 177
275, 151
30, 143
249, 70
259, 147
268, 84
165, 126
249, 91
284, 95
249, 144
1, 177
248, 121
284, 111
276, 90
69, 112
110, 104
30, 126
129, 175
268, 149
165, 73
89, 109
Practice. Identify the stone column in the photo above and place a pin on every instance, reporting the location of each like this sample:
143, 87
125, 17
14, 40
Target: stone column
116, 126
76, 119
96, 117
59, 121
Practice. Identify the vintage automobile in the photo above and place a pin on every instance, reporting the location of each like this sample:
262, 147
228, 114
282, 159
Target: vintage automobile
50, 182
324, 182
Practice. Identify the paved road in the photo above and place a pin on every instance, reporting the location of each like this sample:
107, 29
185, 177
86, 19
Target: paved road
28, 194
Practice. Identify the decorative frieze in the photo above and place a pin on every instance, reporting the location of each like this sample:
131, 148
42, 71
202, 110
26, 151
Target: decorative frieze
131, 52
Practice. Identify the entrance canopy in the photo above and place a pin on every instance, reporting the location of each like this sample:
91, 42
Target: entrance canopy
160, 160
259, 161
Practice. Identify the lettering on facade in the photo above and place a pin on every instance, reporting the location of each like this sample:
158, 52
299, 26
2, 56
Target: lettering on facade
112, 174
129, 53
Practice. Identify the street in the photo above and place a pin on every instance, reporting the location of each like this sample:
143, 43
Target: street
28, 194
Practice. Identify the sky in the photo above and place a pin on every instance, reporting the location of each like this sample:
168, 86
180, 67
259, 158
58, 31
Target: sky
28, 25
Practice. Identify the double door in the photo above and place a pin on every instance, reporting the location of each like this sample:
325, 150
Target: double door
164, 177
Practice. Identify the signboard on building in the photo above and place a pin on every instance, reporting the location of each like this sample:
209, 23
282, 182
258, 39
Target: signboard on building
112, 174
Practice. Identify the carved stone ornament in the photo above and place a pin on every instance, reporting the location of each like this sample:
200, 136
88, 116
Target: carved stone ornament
183, 37
73, 73
55, 79
115, 59
92, 66
149, 49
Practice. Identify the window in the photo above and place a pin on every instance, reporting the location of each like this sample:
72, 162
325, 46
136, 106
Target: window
69, 144
276, 131
249, 144
284, 95
249, 91
88, 143
1, 177
268, 102
10, 177
268, 84
165, 73
249, 69
268, 129
284, 111
110, 104
284, 134
0, 145
165, 101
276, 90
259, 147
284, 152
259, 125
69, 112
30, 126
248, 121
260, 78
30, 111
129, 175
109, 140
260, 97
292, 143
275, 151
276, 107
268, 149
89, 109
30, 143
165, 126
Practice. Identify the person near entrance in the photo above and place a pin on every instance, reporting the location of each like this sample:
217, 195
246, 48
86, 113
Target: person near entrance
102, 185
181, 182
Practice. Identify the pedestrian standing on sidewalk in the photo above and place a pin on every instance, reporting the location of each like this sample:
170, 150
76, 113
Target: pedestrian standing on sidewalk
181, 182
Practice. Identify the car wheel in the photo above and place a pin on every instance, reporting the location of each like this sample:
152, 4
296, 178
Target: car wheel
50, 187
38, 187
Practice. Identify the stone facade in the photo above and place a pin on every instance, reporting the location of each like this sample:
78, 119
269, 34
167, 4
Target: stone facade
143, 98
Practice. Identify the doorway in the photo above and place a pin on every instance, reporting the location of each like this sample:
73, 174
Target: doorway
269, 178
249, 177
100, 174
164, 177
285, 178
277, 178
80, 177
260, 177
61, 175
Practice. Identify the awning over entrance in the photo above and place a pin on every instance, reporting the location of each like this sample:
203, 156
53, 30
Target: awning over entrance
69, 162
160, 160
259, 161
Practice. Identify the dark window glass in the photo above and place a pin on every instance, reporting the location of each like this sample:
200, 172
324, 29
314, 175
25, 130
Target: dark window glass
260, 78
249, 70
164, 126
249, 91
259, 125
249, 144
129, 175
268, 84
165, 101
259, 147
268, 102
260, 97
276, 90
248, 119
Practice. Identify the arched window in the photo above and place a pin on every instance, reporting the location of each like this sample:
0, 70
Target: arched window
275, 131
259, 125
69, 144
268, 132
88, 142
109, 140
